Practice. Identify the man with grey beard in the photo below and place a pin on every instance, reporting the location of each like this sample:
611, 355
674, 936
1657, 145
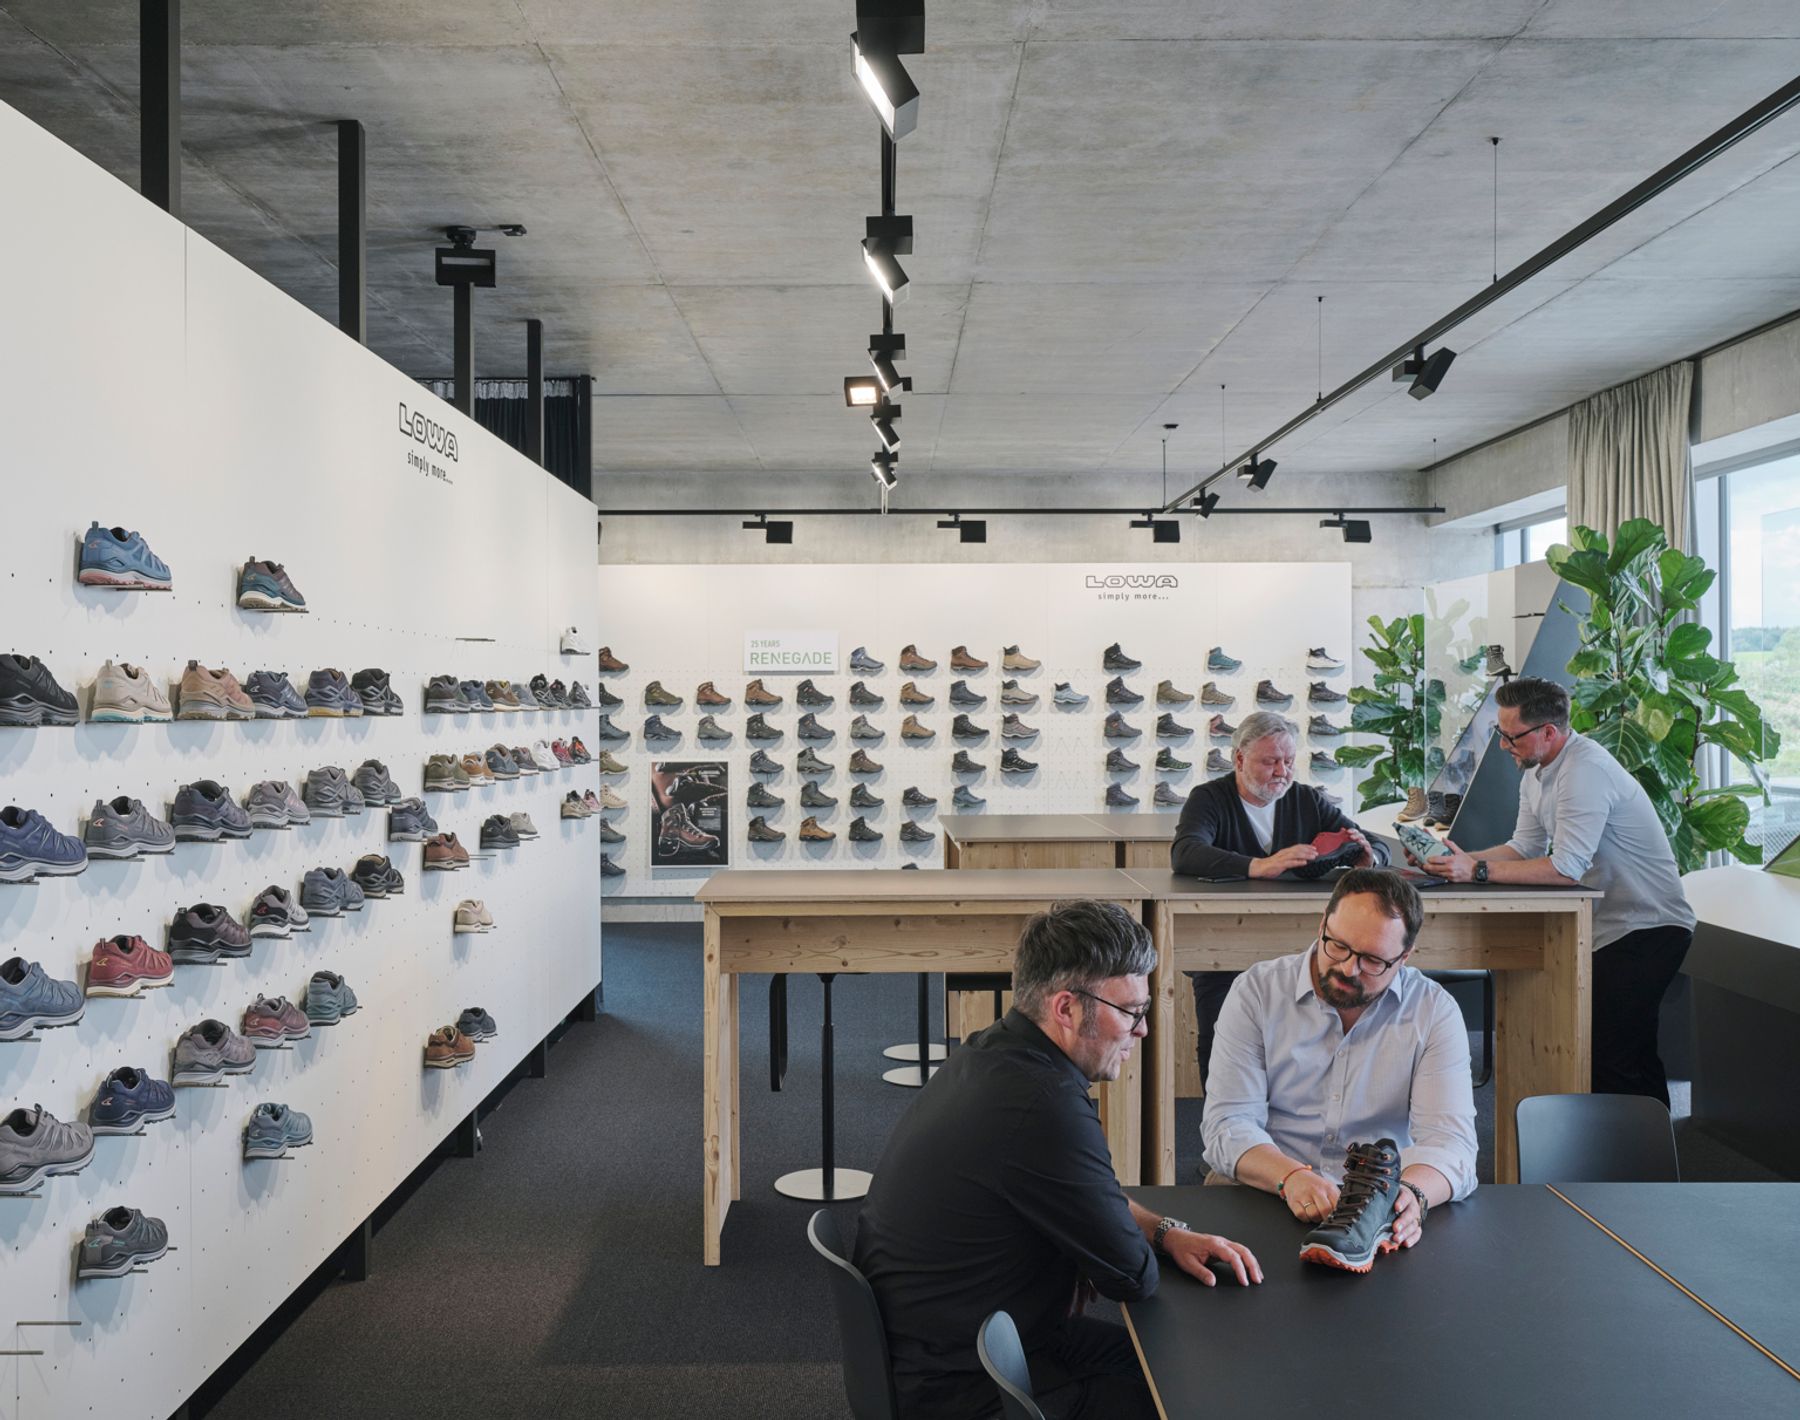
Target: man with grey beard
1254, 822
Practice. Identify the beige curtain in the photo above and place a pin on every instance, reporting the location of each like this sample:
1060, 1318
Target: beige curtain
1628, 455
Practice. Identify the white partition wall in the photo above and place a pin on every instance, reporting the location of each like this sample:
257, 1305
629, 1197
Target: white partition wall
148, 380
685, 625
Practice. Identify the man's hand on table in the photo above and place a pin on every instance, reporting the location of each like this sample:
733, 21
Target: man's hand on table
1194, 1254
1455, 866
1310, 1197
1408, 1226
1278, 863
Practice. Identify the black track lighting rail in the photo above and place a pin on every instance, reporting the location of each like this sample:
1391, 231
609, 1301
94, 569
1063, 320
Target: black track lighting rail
962, 510
1660, 181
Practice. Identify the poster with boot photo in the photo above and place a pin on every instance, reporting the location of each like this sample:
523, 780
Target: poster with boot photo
690, 813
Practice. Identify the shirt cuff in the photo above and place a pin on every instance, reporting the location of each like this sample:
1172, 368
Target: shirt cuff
1458, 1169
1225, 1151
1571, 866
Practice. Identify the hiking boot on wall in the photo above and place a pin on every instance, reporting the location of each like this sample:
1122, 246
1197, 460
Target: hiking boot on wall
1167, 694
1268, 694
961, 660
1166, 797
910, 694
1167, 763
1016, 660
759, 831
811, 831
1118, 798
1119, 693
911, 729
864, 698
862, 798
861, 729
862, 663
609, 662
1012, 694
806, 693
860, 763
1117, 763
913, 663
1066, 694
708, 695
1210, 694
1318, 659
759, 695
1114, 659
1221, 664
860, 832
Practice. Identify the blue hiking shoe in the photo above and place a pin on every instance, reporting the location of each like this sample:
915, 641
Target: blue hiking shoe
29, 999
329, 999
1362, 1224
129, 1099
30, 848
119, 1240
265, 586
274, 1129
113, 557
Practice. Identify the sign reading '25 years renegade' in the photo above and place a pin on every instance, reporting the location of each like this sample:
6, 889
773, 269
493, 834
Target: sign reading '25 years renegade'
807, 652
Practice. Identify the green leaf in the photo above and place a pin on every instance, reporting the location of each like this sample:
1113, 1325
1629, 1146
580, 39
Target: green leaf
1700, 670
1632, 541
1587, 664
1626, 739
1587, 570
1657, 713
1741, 791
1683, 578
1736, 738
1688, 639
1357, 756
1718, 823
1372, 720
1584, 538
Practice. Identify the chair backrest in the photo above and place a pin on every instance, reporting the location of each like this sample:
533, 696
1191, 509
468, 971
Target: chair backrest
1595, 1139
862, 1339
1003, 1358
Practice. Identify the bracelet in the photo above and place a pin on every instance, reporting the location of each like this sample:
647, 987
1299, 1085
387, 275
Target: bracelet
1281, 1188
1418, 1193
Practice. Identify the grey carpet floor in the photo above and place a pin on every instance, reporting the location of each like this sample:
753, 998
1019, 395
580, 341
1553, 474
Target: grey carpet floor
558, 1272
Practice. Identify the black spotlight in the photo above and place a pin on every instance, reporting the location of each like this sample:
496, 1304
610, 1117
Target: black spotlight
1257, 472
1161, 529
1425, 372
1205, 503
1354, 529
782, 531
881, 468
974, 530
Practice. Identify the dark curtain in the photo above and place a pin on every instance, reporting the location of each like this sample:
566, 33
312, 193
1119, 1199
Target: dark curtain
501, 406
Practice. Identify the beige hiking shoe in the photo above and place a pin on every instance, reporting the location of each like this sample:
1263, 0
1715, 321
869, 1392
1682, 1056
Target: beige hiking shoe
1167, 694
205, 694
911, 729
1415, 806
127, 695
610, 800
472, 916
811, 831
1017, 660
910, 694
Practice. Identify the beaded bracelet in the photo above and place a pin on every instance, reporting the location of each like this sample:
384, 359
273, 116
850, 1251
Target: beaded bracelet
1281, 1188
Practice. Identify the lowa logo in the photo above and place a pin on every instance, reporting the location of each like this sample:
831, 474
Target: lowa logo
428, 432
1132, 581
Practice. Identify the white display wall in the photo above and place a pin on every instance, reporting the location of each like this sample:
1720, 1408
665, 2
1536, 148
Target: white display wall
685, 625
150, 381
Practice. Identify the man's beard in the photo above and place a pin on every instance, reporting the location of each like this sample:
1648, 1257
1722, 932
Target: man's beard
1269, 795
1338, 991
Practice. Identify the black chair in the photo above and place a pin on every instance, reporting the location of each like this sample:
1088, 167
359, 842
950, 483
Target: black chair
1595, 1139
1450, 980
862, 1339
1003, 1358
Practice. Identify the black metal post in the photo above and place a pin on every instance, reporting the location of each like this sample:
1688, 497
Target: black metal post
353, 231
778, 1038
159, 76
466, 1142
534, 379
463, 396
828, 1105
584, 436
537, 1063
356, 1253
924, 1027
588, 1008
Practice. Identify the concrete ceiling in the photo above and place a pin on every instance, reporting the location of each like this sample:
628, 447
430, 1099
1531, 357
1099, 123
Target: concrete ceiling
1119, 206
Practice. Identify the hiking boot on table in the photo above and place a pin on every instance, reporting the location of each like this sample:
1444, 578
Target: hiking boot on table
1221, 664
1319, 693
806, 693
266, 586
861, 729
862, 798
960, 763
812, 831
860, 763
1065, 694
963, 728
1318, 659
1119, 693
121, 561
1321, 725
860, 832
1170, 728
911, 832
966, 798
1114, 659
708, 695
960, 694
961, 660
910, 694
1117, 763
125, 694
1362, 1224
913, 663
1267, 694
1016, 660
609, 662
862, 663
911, 729
1210, 694
813, 797
809, 728
756, 693
1118, 798
1166, 797
759, 831
759, 797
1169, 764
917, 799
807, 762
1011, 694
1012, 762
1167, 694
1217, 763
1118, 728
757, 728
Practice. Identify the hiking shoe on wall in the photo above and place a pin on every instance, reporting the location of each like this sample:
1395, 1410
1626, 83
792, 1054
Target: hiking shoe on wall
960, 763
1362, 1224
862, 663
443, 696
759, 797
1170, 728
206, 932
1167, 763
808, 762
960, 694
478, 1025
1115, 659
377, 876
1117, 763
323, 892
910, 694
911, 832
760, 832
860, 763
274, 1129
1217, 763
471, 918
1496, 661
809, 728
1167, 694
574, 643
122, 561
267, 805
270, 1024
329, 999
380, 698
1119, 693
861, 729
1012, 762
327, 694
271, 914
654, 729
966, 798
266, 586
125, 694
709, 729
473, 691
1011, 694
127, 1100
327, 791
609, 662
607, 764
608, 834
1118, 728
119, 1240
1217, 728
353, 895
1317, 659
578, 697
272, 696
612, 733
860, 832
864, 698
124, 828
757, 728
30, 848
522, 694
543, 698
1066, 694
608, 868
497, 832
1221, 664
125, 966
654, 695
559, 694
1118, 798
1014, 659
862, 798
916, 799
911, 729
1319, 693
205, 812
961, 660
474, 766
963, 728
522, 825
806, 693
440, 855
354, 803
1321, 725
1166, 797
913, 663
760, 763
30, 999
813, 797
210, 1051
759, 695
578, 752
608, 799
374, 783
206, 694
1267, 694
499, 761
447, 1048
1210, 694
501, 696
812, 831
1013, 728
709, 696
1415, 805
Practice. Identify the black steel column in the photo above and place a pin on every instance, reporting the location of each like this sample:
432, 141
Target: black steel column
353, 231
584, 436
159, 75
828, 1123
464, 397
534, 378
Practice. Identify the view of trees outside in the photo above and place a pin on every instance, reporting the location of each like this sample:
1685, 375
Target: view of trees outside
1764, 579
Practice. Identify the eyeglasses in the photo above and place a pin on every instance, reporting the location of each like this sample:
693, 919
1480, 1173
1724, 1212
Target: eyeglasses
1512, 740
1365, 961
1135, 1016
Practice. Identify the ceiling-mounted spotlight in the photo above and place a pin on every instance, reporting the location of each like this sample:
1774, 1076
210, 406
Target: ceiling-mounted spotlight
881, 468
1161, 529
889, 87
781, 531
896, 26
1204, 504
882, 421
975, 530
1257, 472
1354, 529
861, 391
1425, 372
884, 350
884, 239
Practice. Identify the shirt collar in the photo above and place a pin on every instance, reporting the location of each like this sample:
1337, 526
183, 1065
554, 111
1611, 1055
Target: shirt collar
1018, 1024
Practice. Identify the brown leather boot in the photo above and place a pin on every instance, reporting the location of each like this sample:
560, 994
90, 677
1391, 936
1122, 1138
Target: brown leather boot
610, 662
860, 763
756, 693
961, 660
911, 729
910, 694
677, 833
708, 695
812, 832
911, 660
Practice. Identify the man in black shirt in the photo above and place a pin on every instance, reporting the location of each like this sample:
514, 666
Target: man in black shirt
1254, 822
997, 1193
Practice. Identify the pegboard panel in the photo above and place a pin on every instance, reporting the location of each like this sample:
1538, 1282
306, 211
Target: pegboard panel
237, 424
684, 625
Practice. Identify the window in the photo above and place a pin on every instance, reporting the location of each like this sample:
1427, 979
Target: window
1541, 537
1529, 540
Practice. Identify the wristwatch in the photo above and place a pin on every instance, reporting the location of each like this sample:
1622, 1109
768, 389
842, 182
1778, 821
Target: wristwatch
1419, 1194
1164, 1228
1481, 870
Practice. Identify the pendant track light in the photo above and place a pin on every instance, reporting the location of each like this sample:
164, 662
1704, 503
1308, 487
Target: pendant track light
862, 391
1161, 529
890, 88
778, 531
1425, 372
882, 420
1354, 529
1257, 472
884, 239
1205, 503
881, 468
974, 530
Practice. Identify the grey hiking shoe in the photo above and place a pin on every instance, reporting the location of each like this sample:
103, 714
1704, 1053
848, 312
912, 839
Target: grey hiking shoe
1013, 728
760, 797
1319, 693
444, 696
121, 1239
808, 762
960, 763
860, 832
609, 731
267, 805
274, 696
205, 812
915, 799
327, 790
1167, 694
205, 933
211, 1051
274, 1129
1210, 694
864, 698
478, 1025
809, 728
654, 729
861, 729
1217, 763
711, 729
1319, 725
1221, 664
324, 891
1170, 728
31, 999
1066, 694
960, 694
1169, 764
1362, 1224
609, 834
272, 914
757, 728
862, 663
1117, 728
608, 868
1324, 761
374, 783
963, 728
1118, 798
1166, 797
762, 763
522, 825
911, 832
124, 828
329, 999
409, 821
861, 797
35, 1145
1119, 693
1117, 763
965, 798
354, 803
860, 763
329, 694
378, 695
813, 797
1012, 694
760, 832
1268, 694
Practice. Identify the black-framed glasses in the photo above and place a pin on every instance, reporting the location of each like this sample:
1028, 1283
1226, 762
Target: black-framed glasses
1365, 961
1137, 1018
1512, 740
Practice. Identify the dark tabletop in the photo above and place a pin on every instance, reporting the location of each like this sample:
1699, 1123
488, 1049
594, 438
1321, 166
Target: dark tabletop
1735, 1245
1513, 1305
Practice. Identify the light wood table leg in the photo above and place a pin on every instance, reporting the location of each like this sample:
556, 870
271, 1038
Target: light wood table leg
1541, 1029
736, 1056
720, 1054
1121, 1117
1159, 1063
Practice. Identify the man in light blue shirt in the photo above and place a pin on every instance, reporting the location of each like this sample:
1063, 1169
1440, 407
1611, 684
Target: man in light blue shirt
1344, 1044
1584, 821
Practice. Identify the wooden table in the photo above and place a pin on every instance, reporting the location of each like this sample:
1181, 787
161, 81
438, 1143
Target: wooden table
875, 920
1057, 840
1536, 941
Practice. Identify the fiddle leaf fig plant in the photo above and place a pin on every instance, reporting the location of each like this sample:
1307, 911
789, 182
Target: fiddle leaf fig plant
1400, 706
1648, 688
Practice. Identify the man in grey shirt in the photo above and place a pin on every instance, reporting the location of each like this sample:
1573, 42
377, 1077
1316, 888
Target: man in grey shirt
1584, 820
